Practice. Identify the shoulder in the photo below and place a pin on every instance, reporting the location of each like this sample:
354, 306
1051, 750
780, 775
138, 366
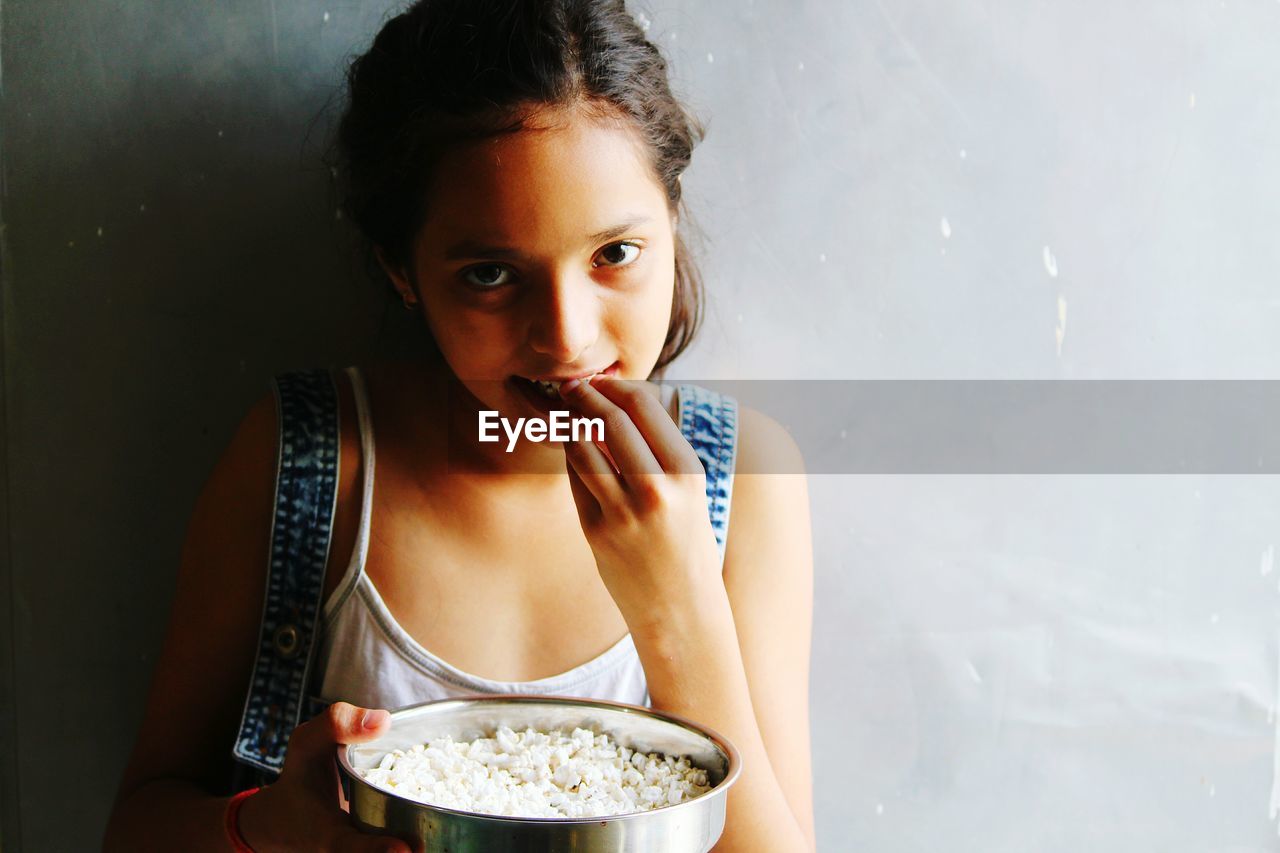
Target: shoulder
264, 422
765, 446
769, 528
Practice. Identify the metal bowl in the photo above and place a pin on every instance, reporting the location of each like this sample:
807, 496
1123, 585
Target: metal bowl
692, 826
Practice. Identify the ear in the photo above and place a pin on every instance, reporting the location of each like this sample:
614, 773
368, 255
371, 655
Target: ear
397, 276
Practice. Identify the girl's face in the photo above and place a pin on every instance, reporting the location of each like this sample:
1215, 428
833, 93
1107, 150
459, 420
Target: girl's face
547, 254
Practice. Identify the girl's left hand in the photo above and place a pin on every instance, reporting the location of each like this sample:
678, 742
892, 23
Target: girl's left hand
645, 516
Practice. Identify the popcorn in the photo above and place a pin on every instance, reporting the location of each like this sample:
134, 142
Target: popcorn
538, 774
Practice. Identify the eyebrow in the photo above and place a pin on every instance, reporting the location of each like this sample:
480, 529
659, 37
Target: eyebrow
464, 249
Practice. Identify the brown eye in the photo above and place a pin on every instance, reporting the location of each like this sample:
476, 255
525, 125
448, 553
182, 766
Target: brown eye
487, 276
617, 254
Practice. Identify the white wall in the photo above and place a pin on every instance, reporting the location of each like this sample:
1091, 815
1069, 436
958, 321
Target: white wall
1010, 663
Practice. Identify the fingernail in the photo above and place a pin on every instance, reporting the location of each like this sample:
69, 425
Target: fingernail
569, 385
372, 719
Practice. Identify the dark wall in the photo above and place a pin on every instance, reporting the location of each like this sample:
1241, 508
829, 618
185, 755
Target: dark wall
170, 243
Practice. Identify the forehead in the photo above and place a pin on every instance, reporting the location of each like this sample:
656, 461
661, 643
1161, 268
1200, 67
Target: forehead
564, 176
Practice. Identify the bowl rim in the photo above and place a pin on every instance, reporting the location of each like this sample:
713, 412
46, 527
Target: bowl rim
721, 742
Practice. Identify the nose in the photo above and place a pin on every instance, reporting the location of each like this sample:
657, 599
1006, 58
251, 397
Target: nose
564, 319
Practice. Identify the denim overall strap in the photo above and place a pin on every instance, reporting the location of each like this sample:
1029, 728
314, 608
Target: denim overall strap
306, 495
709, 422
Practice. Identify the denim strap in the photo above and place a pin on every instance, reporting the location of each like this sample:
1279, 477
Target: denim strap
709, 422
306, 493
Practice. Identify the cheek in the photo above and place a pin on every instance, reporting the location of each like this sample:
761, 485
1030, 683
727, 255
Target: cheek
643, 316
659, 310
469, 340
661, 299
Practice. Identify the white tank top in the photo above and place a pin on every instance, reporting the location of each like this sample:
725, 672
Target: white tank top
366, 658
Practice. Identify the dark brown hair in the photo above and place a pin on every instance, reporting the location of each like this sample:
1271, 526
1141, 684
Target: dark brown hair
448, 71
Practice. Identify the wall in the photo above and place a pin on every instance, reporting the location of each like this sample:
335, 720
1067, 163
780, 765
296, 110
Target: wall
890, 190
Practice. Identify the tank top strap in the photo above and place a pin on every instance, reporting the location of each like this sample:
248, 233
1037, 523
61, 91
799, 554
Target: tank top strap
355, 568
302, 525
709, 422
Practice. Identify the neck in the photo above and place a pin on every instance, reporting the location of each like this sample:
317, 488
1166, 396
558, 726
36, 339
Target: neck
440, 418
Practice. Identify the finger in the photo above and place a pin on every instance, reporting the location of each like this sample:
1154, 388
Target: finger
588, 507
343, 722
642, 403
312, 743
626, 445
595, 472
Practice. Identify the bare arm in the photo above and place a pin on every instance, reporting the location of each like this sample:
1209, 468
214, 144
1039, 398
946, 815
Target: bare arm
737, 656
183, 751
729, 649
197, 690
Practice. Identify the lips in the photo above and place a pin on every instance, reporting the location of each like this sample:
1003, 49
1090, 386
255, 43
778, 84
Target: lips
550, 386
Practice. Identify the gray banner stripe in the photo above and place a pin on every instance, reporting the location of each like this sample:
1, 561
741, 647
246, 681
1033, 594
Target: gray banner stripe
1019, 426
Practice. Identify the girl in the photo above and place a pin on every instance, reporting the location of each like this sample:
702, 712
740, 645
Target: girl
515, 168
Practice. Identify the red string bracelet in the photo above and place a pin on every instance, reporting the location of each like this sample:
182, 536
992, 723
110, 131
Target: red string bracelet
232, 822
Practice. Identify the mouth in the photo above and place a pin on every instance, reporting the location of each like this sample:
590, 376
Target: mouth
549, 387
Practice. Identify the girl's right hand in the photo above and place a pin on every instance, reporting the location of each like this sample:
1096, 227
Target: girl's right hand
300, 810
